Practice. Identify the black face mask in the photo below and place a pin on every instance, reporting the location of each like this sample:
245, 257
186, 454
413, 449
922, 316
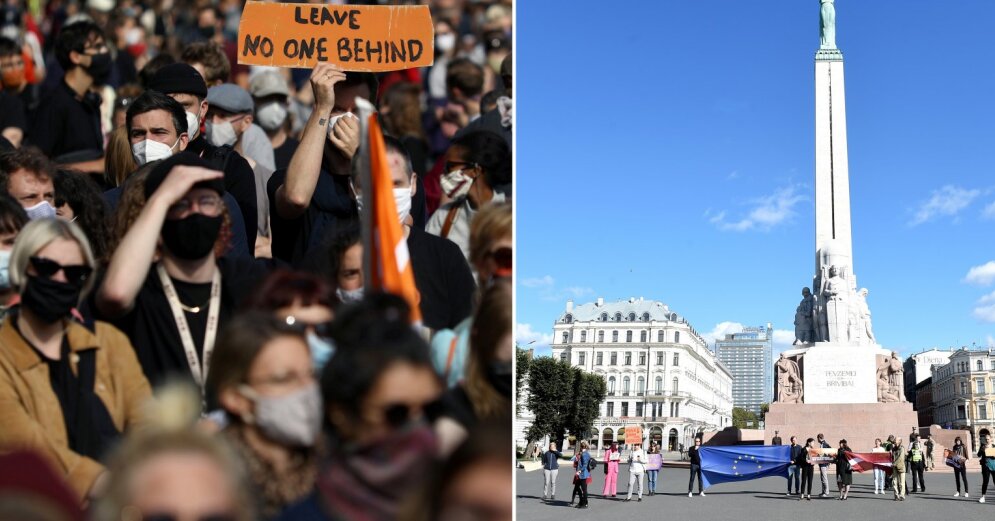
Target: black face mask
49, 300
499, 376
100, 67
192, 237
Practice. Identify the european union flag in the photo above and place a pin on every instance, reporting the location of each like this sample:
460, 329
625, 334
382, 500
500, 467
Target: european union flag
743, 462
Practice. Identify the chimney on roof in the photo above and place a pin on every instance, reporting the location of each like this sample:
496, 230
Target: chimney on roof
570, 306
601, 301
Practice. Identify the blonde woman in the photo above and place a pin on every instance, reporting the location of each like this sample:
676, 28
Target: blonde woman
66, 390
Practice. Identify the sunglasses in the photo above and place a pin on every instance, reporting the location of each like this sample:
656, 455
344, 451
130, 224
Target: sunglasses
502, 257
454, 165
173, 517
75, 274
400, 414
323, 329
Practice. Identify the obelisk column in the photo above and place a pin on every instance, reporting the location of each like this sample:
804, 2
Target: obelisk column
832, 180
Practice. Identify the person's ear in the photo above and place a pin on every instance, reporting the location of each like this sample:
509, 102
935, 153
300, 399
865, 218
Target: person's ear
235, 403
184, 141
246, 122
77, 58
414, 184
203, 111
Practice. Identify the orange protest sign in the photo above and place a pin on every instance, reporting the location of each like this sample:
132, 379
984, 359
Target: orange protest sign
633, 434
355, 37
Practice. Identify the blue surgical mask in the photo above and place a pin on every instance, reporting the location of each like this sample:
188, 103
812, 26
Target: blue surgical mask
5, 269
321, 350
42, 210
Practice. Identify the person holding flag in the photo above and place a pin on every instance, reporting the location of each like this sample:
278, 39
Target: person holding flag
844, 471
878, 472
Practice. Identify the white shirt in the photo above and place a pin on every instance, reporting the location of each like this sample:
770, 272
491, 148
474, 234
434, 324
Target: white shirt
637, 461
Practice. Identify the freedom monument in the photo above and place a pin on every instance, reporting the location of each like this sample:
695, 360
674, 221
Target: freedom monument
836, 379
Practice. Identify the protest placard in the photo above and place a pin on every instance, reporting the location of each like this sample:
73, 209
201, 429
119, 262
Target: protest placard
655, 462
633, 434
355, 37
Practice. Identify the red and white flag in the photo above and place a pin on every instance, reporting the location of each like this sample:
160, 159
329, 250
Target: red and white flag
864, 461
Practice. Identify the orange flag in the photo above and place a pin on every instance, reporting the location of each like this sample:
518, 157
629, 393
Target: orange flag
390, 261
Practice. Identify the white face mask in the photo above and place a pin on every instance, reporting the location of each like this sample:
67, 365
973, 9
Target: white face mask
456, 184
42, 210
445, 42
5, 269
402, 199
271, 115
149, 150
219, 134
193, 125
335, 119
349, 295
293, 420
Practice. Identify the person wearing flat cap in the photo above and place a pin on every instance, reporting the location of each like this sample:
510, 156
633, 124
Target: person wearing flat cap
175, 307
271, 96
185, 85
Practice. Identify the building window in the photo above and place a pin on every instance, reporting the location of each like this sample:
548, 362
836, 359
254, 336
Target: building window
963, 388
614, 359
601, 337
677, 409
582, 358
583, 336
604, 317
677, 337
628, 358
960, 412
566, 335
659, 384
569, 318
982, 411
632, 317
646, 317
642, 358
611, 386
625, 408
675, 385
981, 385
628, 336
642, 336
659, 336
563, 357
993, 365
600, 358
677, 359
981, 365
618, 317
614, 336
639, 408
611, 409
625, 385
640, 386
659, 359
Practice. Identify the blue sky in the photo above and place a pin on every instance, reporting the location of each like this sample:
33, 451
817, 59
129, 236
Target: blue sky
666, 150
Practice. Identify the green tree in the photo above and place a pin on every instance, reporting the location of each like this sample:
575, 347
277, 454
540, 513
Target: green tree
523, 359
764, 408
551, 384
588, 392
744, 418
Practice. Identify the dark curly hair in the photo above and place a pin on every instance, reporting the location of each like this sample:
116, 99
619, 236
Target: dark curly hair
83, 196
491, 152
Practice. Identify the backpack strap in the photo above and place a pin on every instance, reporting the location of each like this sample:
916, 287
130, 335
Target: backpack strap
450, 218
449, 358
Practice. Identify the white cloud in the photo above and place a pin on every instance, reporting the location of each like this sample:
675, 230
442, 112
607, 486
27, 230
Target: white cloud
733, 175
783, 338
947, 201
985, 309
991, 341
982, 275
546, 286
527, 338
989, 211
766, 213
537, 282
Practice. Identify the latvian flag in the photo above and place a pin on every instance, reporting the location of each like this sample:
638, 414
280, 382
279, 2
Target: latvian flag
864, 461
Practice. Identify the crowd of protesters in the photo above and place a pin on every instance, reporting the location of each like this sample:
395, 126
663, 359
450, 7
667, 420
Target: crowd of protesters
187, 331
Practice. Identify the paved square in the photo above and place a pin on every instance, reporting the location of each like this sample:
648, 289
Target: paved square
761, 499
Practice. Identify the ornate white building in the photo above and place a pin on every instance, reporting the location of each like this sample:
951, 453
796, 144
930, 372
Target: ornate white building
964, 393
658, 369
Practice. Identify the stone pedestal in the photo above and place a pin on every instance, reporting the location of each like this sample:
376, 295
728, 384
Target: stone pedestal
858, 423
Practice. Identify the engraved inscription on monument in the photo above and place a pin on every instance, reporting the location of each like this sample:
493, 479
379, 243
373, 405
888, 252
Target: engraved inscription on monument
839, 374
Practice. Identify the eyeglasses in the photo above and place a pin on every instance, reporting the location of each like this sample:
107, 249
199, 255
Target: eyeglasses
400, 414
322, 329
454, 165
209, 205
75, 274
